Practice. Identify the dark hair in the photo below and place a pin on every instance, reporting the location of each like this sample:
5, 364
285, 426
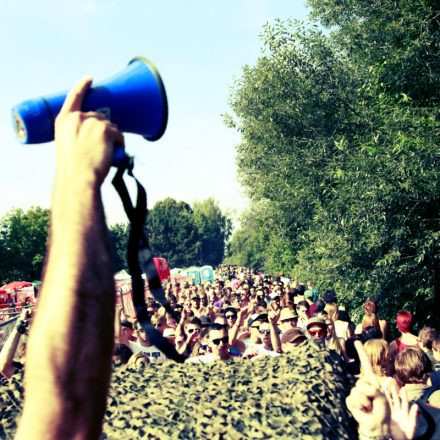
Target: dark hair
123, 352
352, 353
194, 320
262, 303
303, 304
330, 296
127, 324
344, 316
371, 333
216, 326
300, 289
320, 306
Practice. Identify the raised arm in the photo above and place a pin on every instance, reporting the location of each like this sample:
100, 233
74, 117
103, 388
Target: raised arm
274, 316
68, 363
8, 351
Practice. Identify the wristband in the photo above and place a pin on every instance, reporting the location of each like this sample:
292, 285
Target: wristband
21, 327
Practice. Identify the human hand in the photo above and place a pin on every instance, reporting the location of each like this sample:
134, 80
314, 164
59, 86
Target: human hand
250, 353
403, 418
242, 315
244, 334
367, 403
369, 406
194, 336
274, 316
84, 140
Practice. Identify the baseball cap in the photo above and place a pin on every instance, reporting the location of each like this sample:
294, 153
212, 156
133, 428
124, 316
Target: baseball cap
316, 321
293, 335
287, 313
257, 317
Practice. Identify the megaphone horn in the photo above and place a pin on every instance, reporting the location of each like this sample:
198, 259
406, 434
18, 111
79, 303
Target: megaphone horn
134, 100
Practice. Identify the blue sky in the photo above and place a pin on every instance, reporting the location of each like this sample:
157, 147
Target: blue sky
199, 47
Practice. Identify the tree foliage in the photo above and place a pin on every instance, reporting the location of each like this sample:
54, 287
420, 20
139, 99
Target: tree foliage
340, 136
23, 238
118, 236
173, 233
213, 229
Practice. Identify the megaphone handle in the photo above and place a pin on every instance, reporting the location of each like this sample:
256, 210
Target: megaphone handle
120, 157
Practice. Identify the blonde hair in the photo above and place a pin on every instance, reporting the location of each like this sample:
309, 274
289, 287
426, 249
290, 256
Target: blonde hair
370, 306
370, 320
333, 341
377, 352
332, 311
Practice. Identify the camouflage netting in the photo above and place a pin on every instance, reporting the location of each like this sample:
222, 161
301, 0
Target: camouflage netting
296, 396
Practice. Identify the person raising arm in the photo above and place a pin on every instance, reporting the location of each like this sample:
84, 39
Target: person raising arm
71, 340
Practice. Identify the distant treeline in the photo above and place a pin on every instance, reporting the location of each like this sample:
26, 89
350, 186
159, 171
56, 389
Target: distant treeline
182, 234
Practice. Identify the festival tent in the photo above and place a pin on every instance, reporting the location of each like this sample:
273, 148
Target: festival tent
16, 285
206, 274
17, 292
194, 273
122, 275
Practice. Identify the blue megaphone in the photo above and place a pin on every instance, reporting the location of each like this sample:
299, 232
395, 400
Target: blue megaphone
134, 100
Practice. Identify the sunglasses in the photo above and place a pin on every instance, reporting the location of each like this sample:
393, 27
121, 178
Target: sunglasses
231, 316
264, 332
289, 320
224, 340
317, 332
192, 330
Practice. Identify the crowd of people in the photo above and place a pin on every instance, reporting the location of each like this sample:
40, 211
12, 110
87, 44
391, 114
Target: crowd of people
75, 333
248, 314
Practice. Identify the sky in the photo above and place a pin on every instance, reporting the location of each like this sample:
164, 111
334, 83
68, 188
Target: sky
199, 48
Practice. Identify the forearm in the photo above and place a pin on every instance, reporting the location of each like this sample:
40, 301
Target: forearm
8, 352
275, 338
233, 333
70, 345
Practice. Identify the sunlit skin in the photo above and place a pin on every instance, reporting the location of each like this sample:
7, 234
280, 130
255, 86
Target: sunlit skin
317, 333
264, 331
286, 324
220, 350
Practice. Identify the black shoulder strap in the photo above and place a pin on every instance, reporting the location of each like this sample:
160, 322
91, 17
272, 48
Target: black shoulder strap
140, 260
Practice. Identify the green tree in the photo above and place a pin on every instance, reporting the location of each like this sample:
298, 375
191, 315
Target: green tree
173, 233
213, 229
340, 143
23, 237
294, 111
118, 241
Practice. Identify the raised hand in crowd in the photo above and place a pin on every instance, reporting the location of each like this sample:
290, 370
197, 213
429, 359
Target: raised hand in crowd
379, 415
274, 316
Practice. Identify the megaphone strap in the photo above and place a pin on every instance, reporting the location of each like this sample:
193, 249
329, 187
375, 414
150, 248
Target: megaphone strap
140, 259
